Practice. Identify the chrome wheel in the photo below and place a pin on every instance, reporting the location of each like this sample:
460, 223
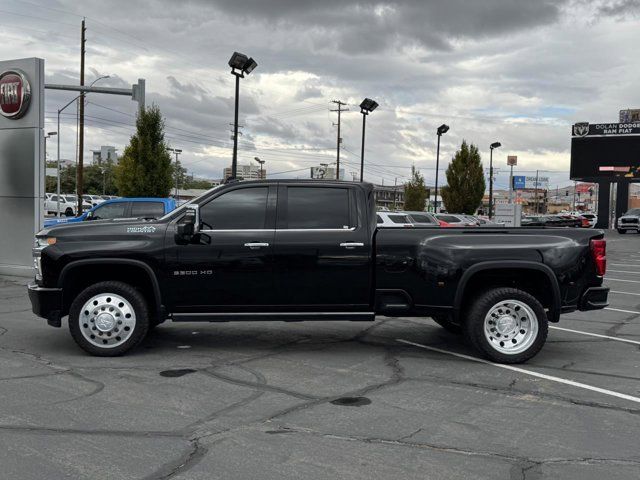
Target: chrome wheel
511, 327
107, 320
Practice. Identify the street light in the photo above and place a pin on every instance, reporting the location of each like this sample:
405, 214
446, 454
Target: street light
58, 162
366, 107
442, 129
261, 162
240, 64
177, 151
492, 146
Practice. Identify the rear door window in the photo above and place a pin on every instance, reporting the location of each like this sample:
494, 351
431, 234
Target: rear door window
449, 218
317, 208
421, 218
399, 219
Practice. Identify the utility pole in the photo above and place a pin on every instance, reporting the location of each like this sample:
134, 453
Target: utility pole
339, 110
395, 191
80, 169
575, 186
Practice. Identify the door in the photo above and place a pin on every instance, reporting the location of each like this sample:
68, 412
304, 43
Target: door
229, 266
323, 249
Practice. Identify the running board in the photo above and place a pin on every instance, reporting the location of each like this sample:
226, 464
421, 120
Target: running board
272, 316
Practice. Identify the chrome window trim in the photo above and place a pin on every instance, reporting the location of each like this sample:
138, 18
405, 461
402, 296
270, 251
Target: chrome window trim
283, 230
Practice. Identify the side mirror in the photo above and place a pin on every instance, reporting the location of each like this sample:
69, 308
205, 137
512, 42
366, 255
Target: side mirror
189, 225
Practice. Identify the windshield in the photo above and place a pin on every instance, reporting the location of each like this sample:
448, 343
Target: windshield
633, 211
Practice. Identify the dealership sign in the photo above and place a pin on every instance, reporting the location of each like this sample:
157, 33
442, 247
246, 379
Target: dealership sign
521, 182
15, 93
585, 129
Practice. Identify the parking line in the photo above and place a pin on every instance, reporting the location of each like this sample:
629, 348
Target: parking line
620, 310
624, 293
620, 280
624, 271
625, 264
552, 378
635, 342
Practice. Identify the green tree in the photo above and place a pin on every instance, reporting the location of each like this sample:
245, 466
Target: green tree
465, 181
415, 192
145, 169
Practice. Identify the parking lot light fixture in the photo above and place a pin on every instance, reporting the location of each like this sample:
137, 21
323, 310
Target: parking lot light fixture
493, 146
261, 162
366, 107
240, 65
442, 129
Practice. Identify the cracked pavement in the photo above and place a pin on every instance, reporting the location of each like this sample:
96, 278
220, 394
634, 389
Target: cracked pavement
318, 400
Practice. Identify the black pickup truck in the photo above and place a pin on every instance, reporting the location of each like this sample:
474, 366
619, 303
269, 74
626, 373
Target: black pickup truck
310, 250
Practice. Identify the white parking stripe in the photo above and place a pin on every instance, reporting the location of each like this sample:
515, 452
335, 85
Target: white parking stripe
625, 264
624, 271
618, 339
528, 372
620, 280
624, 293
620, 310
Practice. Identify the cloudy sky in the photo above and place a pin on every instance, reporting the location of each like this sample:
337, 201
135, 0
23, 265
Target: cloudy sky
515, 71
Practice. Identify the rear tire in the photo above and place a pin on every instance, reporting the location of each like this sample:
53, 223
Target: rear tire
506, 325
68, 212
622, 231
108, 319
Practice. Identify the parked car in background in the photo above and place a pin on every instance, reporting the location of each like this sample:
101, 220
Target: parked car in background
423, 219
68, 205
93, 199
486, 222
148, 208
393, 220
592, 218
455, 220
630, 221
533, 221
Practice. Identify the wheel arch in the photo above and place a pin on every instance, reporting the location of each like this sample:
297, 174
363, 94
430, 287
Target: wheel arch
134, 272
507, 270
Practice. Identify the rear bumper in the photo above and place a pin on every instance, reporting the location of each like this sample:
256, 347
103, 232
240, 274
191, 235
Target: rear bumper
594, 298
46, 303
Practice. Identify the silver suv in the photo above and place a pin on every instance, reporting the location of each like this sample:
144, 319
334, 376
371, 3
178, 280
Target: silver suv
630, 221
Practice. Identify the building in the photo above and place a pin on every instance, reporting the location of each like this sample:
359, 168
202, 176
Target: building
246, 172
106, 154
390, 197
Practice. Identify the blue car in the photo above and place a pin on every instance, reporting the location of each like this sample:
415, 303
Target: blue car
121, 208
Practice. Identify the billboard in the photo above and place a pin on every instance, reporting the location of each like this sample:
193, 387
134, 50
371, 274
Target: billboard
607, 150
522, 182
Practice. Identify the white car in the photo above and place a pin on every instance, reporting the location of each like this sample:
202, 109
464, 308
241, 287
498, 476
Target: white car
592, 217
393, 220
93, 199
68, 205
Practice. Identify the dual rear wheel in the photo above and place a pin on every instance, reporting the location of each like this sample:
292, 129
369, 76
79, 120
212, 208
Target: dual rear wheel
505, 325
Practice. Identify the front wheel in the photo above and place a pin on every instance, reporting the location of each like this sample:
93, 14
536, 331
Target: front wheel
506, 325
108, 319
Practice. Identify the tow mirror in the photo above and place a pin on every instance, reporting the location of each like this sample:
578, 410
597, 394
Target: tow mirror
189, 225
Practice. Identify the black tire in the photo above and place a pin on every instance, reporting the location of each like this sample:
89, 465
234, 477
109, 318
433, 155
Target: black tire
445, 322
622, 231
68, 212
474, 326
138, 305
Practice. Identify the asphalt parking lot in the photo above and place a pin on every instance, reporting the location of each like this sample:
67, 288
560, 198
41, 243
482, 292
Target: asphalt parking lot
325, 400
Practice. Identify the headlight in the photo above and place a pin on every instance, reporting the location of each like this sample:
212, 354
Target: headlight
39, 244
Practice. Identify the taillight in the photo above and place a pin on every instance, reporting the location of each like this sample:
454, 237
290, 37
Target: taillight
443, 224
599, 252
585, 222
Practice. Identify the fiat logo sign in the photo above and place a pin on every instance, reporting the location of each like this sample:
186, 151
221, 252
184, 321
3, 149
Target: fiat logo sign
15, 93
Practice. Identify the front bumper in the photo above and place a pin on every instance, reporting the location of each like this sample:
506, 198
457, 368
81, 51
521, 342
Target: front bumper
594, 298
46, 303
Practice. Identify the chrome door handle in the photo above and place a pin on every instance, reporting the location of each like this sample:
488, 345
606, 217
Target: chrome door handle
256, 245
350, 245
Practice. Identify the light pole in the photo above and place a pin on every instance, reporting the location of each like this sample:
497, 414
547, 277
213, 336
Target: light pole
240, 64
261, 162
58, 161
442, 129
48, 135
177, 151
366, 107
492, 146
